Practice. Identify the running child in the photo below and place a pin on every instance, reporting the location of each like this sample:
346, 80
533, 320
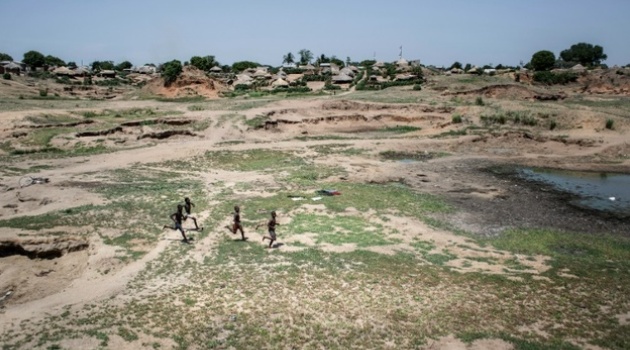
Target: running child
236, 225
177, 218
187, 212
271, 226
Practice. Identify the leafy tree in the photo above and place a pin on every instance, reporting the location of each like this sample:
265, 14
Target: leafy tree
543, 60
123, 65
5, 57
170, 71
34, 59
288, 58
367, 63
456, 64
242, 65
204, 63
71, 65
585, 54
102, 65
467, 67
54, 61
336, 61
306, 56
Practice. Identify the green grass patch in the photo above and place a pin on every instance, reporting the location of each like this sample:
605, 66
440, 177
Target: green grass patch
50, 119
338, 230
400, 129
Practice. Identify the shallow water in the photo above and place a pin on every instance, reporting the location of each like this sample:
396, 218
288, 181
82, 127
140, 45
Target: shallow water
607, 192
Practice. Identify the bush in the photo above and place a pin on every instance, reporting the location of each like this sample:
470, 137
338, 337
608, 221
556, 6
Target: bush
479, 101
549, 78
43, 92
417, 87
610, 124
552, 125
457, 119
6, 76
543, 60
170, 71
241, 87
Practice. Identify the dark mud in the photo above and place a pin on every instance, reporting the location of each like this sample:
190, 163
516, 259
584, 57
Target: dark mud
491, 197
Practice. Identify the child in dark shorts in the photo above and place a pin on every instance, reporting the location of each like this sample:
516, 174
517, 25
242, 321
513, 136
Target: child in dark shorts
271, 226
187, 212
236, 224
178, 218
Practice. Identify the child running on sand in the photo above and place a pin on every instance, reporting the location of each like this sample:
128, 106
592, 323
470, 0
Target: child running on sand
271, 226
177, 218
187, 212
236, 225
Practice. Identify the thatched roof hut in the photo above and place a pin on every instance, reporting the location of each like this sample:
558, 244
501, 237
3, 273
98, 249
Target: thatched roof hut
341, 79
347, 71
578, 68
279, 83
63, 71
216, 69
261, 74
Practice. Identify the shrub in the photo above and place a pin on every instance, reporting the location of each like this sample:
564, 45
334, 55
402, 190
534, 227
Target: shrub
457, 119
43, 92
550, 78
610, 124
479, 101
552, 125
6, 76
543, 60
241, 87
417, 87
170, 71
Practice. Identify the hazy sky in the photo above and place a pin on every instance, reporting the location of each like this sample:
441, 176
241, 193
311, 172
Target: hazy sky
436, 32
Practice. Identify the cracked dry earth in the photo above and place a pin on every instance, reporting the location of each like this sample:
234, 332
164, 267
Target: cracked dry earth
403, 258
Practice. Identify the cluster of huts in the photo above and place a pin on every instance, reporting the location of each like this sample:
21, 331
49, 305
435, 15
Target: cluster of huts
338, 75
19, 68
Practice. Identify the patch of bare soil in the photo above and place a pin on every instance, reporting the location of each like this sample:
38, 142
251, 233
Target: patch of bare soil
452, 343
34, 267
511, 91
606, 82
191, 82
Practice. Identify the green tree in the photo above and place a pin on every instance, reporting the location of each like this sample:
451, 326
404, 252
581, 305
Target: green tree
467, 67
34, 59
5, 57
543, 60
456, 64
54, 61
123, 65
170, 71
585, 54
204, 63
242, 65
306, 56
367, 63
288, 58
71, 65
102, 65
336, 61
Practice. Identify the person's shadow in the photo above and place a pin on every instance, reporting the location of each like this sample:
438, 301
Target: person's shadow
277, 245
